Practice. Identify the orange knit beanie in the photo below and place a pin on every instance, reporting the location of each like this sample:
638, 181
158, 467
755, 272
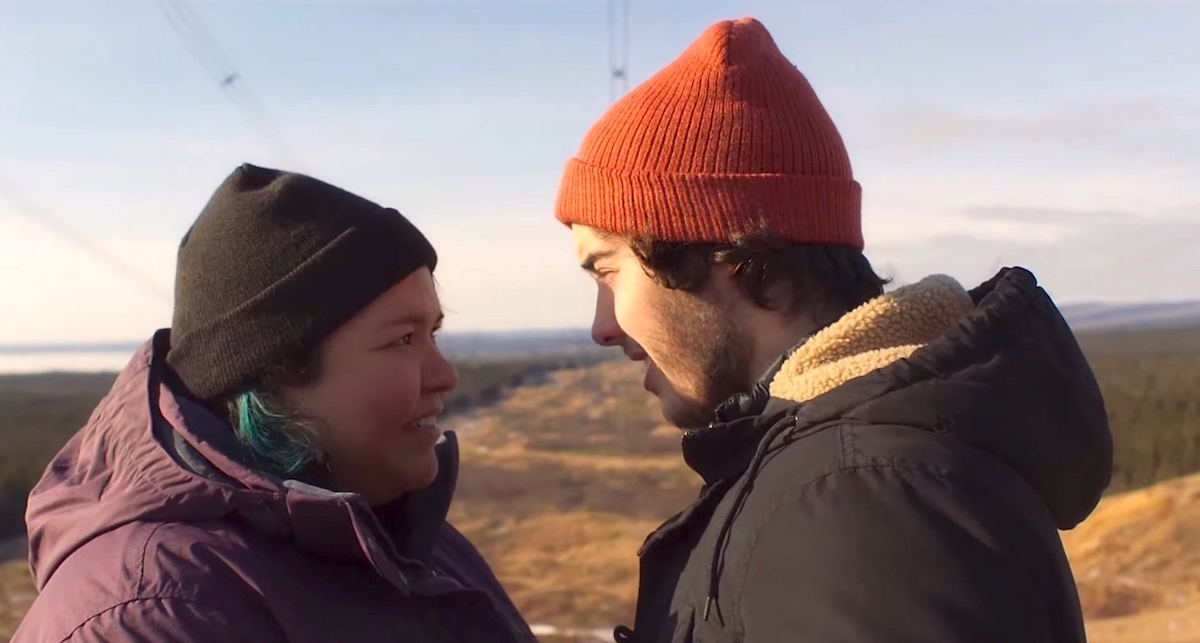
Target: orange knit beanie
728, 138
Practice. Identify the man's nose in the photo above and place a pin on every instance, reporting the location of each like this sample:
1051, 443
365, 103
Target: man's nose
605, 329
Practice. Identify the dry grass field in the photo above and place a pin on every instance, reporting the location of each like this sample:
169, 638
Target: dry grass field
16, 594
561, 483
559, 496
564, 477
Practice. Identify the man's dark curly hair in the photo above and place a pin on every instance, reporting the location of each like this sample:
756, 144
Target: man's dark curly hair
824, 279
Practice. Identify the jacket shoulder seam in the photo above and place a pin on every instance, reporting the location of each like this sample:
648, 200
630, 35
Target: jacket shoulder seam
756, 531
140, 599
141, 581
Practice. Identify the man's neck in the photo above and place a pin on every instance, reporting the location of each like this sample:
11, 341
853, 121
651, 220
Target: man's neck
775, 339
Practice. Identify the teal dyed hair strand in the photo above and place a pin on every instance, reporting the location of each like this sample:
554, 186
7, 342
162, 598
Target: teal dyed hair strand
277, 440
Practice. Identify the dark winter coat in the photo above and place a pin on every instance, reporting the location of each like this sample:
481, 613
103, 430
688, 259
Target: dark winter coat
901, 477
149, 526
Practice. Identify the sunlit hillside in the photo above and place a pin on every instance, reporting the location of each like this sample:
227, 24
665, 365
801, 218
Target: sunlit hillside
1137, 563
560, 484
16, 592
565, 475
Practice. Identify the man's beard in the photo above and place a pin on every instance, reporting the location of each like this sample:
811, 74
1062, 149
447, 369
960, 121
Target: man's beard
710, 359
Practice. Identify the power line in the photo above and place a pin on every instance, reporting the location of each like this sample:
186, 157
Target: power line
618, 47
56, 226
204, 47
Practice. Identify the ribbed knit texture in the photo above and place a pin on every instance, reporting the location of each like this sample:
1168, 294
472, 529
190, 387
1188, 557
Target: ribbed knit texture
275, 262
729, 137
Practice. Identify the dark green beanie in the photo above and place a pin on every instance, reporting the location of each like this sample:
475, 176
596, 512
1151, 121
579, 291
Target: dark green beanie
274, 263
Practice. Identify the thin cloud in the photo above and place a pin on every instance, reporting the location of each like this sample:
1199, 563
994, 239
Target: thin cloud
1073, 218
1113, 257
1164, 129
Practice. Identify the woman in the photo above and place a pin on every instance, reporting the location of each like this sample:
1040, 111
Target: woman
270, 468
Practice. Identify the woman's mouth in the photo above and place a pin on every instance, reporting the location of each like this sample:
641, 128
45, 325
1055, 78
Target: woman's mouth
426, 424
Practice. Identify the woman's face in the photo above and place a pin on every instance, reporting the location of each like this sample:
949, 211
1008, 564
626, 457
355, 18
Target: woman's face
380, 390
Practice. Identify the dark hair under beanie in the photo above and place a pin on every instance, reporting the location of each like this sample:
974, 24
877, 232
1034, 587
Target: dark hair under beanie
276, 261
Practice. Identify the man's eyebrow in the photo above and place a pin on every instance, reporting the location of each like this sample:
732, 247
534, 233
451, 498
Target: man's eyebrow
589, 264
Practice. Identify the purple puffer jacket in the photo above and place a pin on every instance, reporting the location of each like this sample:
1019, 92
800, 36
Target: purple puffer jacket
148, 526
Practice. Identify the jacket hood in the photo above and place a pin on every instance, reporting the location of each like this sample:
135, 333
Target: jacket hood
149, 455
996, 367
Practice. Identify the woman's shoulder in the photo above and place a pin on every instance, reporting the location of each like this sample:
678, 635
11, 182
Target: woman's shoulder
153, 568
455, 554
140, 557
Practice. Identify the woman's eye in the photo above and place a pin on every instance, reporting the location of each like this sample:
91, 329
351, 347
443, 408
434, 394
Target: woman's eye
405, 341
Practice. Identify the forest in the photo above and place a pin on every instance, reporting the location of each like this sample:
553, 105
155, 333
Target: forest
1150, 380
39, 413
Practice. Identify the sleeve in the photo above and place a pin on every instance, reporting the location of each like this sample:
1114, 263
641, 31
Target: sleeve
174, 620
889, 555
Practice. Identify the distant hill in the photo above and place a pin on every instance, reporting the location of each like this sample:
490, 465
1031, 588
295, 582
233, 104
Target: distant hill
519, 344
1096, 316
516, 344
39, 412
566, 470
469, 345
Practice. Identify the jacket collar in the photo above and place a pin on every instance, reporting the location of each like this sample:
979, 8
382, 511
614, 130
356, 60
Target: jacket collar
878, 333
725, 446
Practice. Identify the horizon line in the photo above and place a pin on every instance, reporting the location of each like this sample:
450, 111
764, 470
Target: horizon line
120, 346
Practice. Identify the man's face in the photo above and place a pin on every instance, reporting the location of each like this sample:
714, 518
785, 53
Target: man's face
695, 354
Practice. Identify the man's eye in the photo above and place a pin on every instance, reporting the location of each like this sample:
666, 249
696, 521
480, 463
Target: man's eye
404, 341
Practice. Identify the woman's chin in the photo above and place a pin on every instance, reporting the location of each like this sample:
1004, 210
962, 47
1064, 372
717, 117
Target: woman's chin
402, 478
426, 476
417, 473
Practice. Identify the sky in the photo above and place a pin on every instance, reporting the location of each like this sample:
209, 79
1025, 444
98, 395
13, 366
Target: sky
1063, 136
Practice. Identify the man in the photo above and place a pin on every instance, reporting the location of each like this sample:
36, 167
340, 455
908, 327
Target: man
879, 467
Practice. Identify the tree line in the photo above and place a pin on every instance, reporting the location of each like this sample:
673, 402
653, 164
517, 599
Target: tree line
1150, 380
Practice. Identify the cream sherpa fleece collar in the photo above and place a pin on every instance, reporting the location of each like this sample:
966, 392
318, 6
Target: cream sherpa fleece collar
882, 331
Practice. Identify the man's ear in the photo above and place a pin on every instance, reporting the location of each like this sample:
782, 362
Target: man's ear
723, 288
780, 296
